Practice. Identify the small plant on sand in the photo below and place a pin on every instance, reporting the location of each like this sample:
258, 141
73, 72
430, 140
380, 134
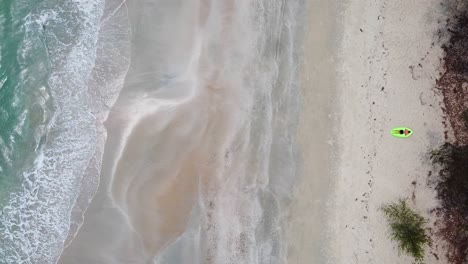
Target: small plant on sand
407, 228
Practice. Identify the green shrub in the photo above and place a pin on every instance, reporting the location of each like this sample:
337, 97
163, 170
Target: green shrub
407, 229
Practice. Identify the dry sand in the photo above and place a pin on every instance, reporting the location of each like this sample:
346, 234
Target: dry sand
368, 67
387, 68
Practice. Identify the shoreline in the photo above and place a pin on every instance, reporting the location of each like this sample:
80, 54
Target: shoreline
114, 14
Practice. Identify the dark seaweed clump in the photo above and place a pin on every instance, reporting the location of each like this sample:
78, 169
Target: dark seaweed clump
454, 79
452, 183
452, 191
465, 118
456, 59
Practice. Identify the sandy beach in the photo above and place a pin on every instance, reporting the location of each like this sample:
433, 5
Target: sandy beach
203, 166
199, 161
368, 67
387, 66
234, 132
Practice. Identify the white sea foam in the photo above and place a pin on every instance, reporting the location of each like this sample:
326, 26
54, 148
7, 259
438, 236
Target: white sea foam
36, 221
201, 160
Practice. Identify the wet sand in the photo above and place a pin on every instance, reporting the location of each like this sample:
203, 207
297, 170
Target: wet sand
316, 136
123, 223
191, 171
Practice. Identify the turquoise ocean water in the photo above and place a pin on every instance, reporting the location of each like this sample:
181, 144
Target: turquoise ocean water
52, 102
25, 102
